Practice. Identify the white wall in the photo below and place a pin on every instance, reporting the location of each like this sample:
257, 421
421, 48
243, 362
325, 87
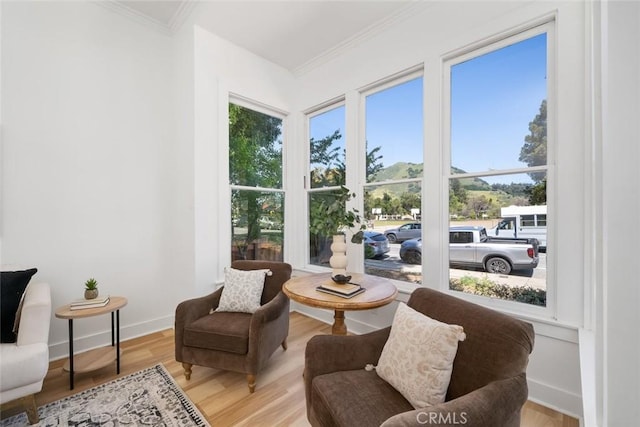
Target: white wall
112, 164
222, 69
93, 176
620, 337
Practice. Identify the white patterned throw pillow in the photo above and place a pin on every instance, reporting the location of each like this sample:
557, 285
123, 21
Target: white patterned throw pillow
417, 359
242, 290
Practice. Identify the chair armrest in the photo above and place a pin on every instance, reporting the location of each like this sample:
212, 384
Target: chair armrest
35, 316
497, 404
190, 310
269, 327
331, 353
270, 311
22, 365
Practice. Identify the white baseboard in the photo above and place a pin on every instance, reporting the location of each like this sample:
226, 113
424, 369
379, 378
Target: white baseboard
60, 350
554, 398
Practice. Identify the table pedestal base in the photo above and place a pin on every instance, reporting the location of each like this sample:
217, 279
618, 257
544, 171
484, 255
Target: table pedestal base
339, 328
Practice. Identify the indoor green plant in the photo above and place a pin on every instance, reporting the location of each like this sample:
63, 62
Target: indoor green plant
91, 289
329, 217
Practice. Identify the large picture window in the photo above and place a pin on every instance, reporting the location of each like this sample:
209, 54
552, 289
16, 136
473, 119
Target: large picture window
327, 173
394, 170
499, 168
255, 176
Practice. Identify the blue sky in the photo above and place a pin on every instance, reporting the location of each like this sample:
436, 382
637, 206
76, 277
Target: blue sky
326, 123
394, 122
493, 99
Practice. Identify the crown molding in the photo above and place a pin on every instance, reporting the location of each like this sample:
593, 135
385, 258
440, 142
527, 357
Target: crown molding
367, 33
181, 15
178, 18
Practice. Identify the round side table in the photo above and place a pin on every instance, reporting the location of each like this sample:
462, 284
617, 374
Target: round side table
379, 291
99, 357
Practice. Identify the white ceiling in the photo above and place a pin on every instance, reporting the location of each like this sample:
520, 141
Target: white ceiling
294, 33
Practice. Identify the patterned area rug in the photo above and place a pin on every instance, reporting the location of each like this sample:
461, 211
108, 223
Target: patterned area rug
150, 397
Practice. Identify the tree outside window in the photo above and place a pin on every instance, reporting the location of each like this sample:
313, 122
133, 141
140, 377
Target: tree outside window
255, 176
327, 174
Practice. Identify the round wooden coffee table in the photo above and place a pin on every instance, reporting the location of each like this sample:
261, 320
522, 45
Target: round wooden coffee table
379, 291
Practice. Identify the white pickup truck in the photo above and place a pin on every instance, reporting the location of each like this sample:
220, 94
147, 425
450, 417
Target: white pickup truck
469, 246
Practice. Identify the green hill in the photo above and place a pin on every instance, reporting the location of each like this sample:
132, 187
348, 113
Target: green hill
400, 170
473, 197
405, 170
472, 184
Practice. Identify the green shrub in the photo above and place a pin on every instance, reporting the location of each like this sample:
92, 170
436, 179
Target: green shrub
485, 287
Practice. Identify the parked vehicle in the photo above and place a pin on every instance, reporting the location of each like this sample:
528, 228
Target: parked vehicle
523, 222
469, 246
404, 232
378, 242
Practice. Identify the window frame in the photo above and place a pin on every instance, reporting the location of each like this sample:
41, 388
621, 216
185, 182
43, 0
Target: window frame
262, 108
388, 82
307, 189
447, 61
569, 103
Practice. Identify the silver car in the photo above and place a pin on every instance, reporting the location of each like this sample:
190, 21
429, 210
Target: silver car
408, 231
378, 242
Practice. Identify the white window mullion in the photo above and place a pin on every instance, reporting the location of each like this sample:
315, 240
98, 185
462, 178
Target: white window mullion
355, 172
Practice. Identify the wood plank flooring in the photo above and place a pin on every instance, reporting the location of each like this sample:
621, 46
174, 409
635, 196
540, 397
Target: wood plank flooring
223, 397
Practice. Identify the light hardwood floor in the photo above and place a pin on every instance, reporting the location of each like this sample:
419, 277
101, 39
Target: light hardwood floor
223, 397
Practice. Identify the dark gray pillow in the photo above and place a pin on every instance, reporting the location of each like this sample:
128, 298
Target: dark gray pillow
12, 286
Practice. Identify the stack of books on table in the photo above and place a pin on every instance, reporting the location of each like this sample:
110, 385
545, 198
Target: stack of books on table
348, 290
82, 304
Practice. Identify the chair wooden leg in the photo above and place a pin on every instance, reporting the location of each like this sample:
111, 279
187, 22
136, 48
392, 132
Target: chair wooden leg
284, 344
251, 380
29, 403
187, 370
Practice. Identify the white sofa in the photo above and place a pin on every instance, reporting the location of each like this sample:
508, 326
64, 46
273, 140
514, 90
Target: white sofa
24, 364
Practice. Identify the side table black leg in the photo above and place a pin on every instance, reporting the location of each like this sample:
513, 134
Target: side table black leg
117, 341
70, 354
112, 329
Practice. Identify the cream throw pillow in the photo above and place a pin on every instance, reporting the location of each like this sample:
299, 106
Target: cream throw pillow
242, 290
417, 359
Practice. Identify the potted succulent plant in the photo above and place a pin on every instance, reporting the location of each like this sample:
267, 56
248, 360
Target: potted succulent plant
330, 218
91, 289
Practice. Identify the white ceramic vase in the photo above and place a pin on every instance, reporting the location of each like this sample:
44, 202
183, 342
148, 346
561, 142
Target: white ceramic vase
338, 260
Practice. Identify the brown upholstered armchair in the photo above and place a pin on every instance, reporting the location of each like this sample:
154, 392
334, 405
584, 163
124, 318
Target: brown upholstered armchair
488, 385
239, 342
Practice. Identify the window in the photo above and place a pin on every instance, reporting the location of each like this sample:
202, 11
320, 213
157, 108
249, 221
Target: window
394, 170
499, 167
528, 221
507, 224
255, 176
541, 220
460, 237
327, 173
